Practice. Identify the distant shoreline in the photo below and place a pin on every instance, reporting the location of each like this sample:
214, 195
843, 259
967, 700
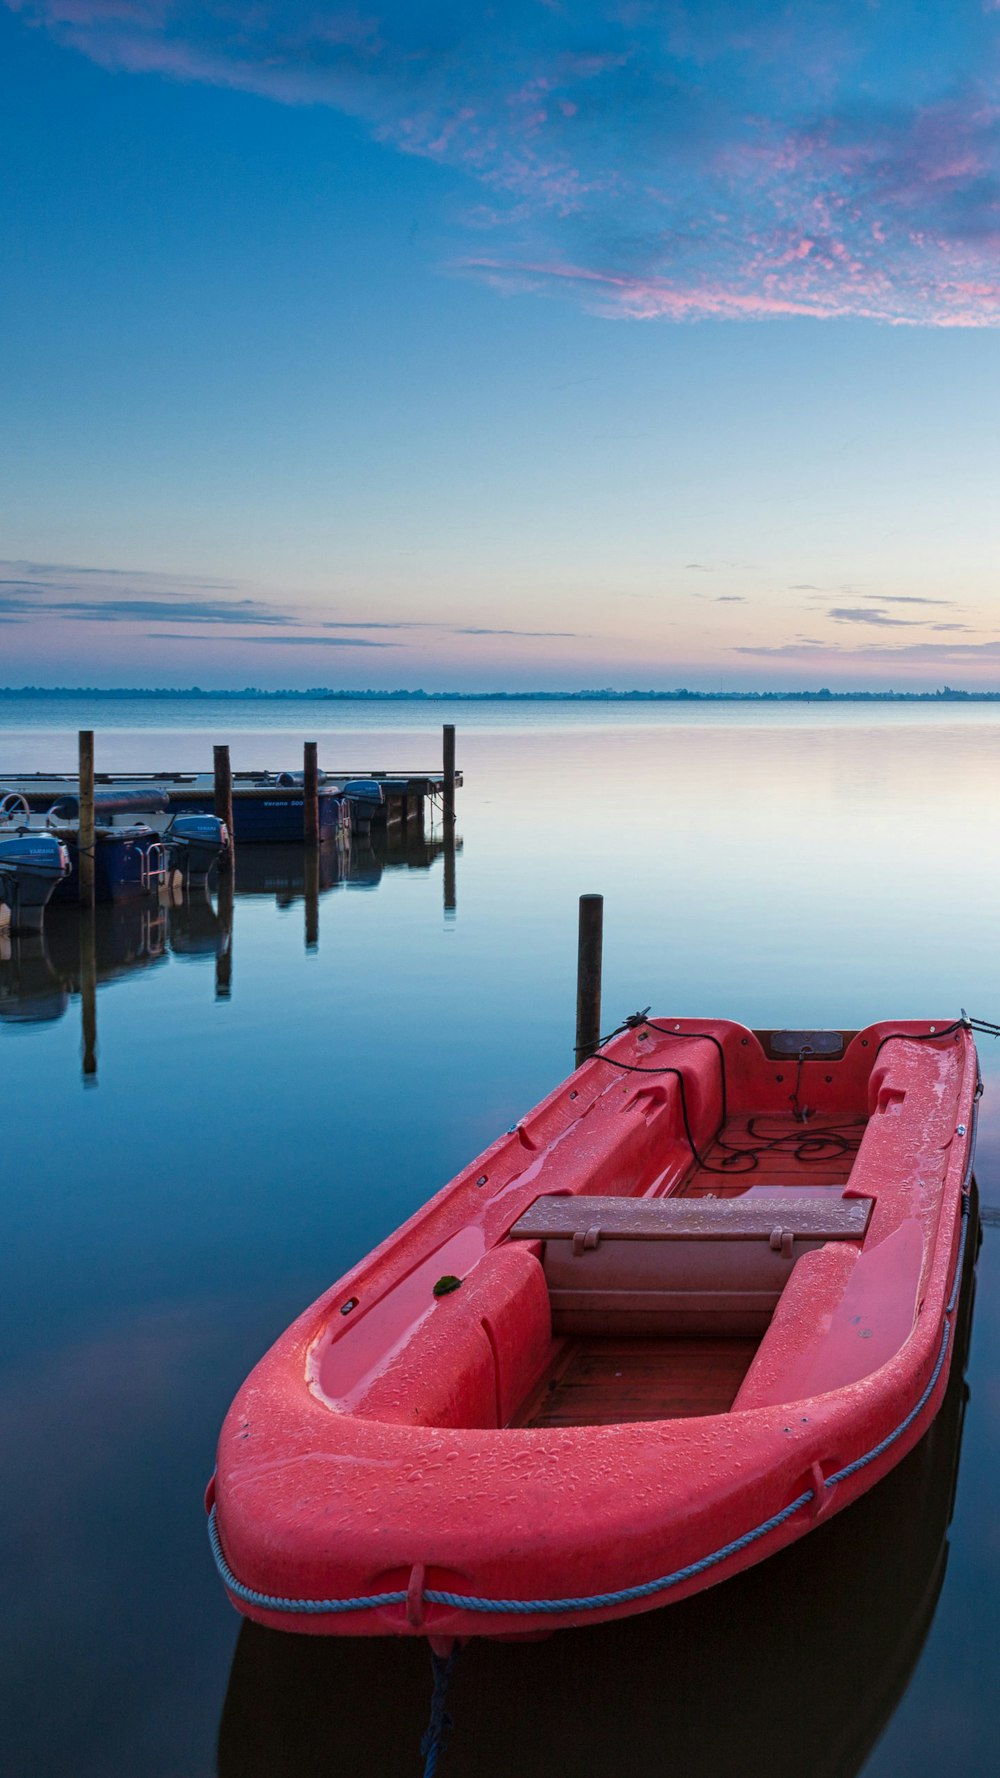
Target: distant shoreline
321, 694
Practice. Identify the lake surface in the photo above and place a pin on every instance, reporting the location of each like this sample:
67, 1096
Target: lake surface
277, 1086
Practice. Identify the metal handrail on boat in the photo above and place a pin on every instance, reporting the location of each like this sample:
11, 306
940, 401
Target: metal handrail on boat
154, 873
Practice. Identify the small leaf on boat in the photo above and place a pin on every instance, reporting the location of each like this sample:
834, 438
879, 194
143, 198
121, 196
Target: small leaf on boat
446, 1285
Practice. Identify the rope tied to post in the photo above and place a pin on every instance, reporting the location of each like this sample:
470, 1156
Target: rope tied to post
440, 1724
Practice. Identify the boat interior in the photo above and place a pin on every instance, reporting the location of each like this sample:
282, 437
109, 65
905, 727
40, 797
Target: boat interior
674, 1371
665, 1248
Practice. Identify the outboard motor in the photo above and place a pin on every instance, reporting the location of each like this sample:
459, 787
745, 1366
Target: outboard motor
31, 865
195, 843
364, 796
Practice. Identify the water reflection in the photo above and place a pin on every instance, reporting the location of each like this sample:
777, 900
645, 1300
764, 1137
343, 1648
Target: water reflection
80, 950
792, 1668
224, 949
88, 993
75, 953
402, 848
778, 872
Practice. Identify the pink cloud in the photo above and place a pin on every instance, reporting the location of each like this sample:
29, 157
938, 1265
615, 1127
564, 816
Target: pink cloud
657, 162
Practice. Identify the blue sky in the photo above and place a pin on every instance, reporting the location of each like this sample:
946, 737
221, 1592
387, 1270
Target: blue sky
535, 345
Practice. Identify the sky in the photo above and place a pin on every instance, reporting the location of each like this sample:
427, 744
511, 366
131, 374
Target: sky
537, 345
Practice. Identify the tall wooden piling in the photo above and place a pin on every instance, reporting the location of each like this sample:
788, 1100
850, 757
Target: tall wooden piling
590, 945
448, 796
224, 804
310, 794
85, 828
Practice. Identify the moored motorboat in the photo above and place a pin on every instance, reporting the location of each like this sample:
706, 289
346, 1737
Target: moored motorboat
267, 806
32, 865
694, 1303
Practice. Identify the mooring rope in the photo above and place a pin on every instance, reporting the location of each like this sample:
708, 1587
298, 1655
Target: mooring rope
435, 1736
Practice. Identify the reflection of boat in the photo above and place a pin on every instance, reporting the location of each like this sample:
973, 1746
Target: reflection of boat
196, 927
31, 992
726, 1284
128, 937
396, 848
282, 871
794, 1667
39, 972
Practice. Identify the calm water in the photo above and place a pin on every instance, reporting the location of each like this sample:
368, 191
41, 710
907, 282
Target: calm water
277, 1086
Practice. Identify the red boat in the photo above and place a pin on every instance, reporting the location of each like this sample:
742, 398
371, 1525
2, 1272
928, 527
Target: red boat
695, 1302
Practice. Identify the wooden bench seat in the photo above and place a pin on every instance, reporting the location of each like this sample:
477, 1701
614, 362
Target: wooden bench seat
695, 1219
678, 1266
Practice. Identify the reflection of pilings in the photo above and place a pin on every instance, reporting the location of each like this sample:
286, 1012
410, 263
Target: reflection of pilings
88, 993
311, 863
450, 894
85, 819
224, 954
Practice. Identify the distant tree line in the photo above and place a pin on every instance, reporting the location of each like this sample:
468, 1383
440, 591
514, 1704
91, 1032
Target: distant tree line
607, 695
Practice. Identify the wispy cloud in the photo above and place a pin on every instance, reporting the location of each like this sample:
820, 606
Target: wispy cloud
928, 654
860, 614
119, 611
285, 641
113, 596
442, 627
481, 630
904, 599
39, 592
649, 160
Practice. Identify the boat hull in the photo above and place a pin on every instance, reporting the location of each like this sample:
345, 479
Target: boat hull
122, 862
369, 1484
263, 818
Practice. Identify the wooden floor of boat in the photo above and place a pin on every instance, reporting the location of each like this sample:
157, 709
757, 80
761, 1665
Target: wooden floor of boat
607, 1382
782, 1154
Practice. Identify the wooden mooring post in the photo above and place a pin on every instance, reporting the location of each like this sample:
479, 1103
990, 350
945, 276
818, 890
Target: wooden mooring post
85, 825
224, 804
448, 792
590, 946
310, 793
